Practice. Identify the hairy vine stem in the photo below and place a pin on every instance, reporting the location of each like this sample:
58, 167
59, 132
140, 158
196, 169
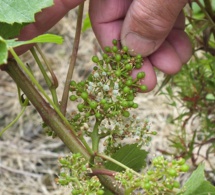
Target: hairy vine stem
65, 95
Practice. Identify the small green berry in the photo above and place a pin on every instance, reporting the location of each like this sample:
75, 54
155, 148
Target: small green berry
73, 83
169, 186
126, 89
135, 105
114, 49
114, 42
103, 101
84, 95
154, 133
118, 57
150, 172
76, 117
143, 88
125, 114
124, 103
93, 104
80, 107
138, 56
73, 97
107, 49
124, 56
83, 168
129, 82
147, 186
140, 75
118, 73
128, 67
98, 115
106, 106
101, 62
138, 65
114, 113
130, 104
172, 172
184, 168
95, 68
95, 59
176, 184
181, 161
105, 56
81, 84
130, 97
125, 49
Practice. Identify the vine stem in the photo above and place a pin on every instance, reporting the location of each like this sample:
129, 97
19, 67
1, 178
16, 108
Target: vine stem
48, 114
32, 78
65, 95
51, 84
53, 120
95, 136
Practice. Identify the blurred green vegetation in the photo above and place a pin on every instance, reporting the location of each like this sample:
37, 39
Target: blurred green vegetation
192, 90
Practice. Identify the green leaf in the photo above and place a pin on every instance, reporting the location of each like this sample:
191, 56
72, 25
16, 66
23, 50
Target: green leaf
210, 96
46, 38
6, 44
86, 23
21, 11
3, 51
197, 184
130, 155
8, 31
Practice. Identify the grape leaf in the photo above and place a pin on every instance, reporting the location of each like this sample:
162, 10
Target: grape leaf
5, 45
130, 155
86, 23
3, 51
45, 38
8, 31
21, 11
197, 184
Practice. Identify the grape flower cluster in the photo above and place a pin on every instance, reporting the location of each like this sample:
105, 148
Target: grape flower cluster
75, 175
108, 95
106, 98
159, 178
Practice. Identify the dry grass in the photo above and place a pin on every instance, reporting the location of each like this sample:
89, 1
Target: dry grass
28, 158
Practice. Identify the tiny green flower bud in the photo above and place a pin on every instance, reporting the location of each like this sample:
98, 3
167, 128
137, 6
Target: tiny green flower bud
114, 42
73, 97
93, 104
95, 59
140, 75
125, 49
118, 57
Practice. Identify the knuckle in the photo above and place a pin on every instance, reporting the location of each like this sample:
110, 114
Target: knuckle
149, 21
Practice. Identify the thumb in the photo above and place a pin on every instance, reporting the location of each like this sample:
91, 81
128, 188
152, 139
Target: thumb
148, 22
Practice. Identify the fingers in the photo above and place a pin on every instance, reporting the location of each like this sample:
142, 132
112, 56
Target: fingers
150, 79
45, 20
148, 22
107, 18
174, 51
153, 27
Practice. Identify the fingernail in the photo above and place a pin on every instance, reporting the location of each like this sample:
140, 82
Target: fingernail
139, 44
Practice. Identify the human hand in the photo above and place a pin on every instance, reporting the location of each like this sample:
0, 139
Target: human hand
45, 20
152, 28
